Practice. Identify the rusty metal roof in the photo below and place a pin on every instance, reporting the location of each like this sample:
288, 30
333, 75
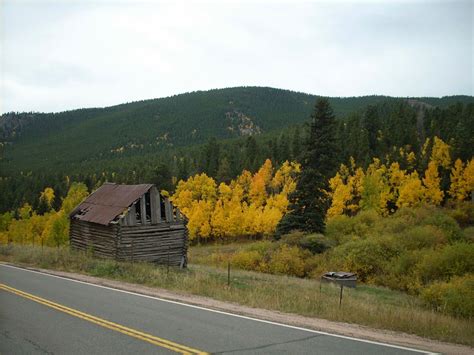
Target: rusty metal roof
107, 202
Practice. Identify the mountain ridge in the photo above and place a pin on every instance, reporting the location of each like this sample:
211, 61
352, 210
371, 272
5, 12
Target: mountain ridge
32, 140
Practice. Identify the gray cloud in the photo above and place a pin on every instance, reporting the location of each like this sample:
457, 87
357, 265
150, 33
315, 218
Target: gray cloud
63, 55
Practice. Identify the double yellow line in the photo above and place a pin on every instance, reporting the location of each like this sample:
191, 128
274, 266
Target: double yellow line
107, 324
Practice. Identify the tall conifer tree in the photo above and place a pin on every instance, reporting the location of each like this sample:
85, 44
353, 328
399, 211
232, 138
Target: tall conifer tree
310, 201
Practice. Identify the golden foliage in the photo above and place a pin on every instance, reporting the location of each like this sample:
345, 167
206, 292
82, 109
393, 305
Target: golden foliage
440, 153
433, 193
249, 205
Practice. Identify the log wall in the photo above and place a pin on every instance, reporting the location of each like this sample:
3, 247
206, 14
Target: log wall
95, 238
161, 243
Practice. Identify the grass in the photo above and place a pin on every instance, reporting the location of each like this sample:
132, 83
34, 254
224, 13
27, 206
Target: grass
366, 305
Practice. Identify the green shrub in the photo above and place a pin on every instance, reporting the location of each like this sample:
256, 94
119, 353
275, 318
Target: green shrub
247, 260
455, 297
468, 234
340, 228
367, 257
452, 260
287, 261
427, 236
446, 223
463, 213
293, 238
315, 243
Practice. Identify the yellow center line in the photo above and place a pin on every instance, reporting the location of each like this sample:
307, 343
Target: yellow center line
107, 324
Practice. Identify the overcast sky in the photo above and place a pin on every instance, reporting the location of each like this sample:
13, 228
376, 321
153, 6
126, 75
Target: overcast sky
63, 55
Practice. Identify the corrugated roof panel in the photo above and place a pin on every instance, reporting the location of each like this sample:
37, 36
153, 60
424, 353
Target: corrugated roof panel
108, 201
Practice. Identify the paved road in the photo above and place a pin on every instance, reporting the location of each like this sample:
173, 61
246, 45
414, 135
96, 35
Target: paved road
41, 313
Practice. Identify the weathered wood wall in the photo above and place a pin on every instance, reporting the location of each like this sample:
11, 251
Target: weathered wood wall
160, 243
95, 238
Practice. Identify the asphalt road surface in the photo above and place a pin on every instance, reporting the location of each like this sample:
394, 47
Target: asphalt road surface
41, 313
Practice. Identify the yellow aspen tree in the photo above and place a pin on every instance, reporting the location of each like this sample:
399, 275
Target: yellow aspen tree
356, 181
340, 194
411, 160
199, 219
285, 177
25, 211
433, 193
245, 180
260, 182
218, 221
75, 195
47, 196
396, 177
411, 191
440, 153
469, 177
376, 189
458, 189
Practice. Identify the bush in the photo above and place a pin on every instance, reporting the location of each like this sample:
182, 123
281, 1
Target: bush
340, 228
446, 223
422, 237
293, 238
287, 261
247, 260
452, 260
468, 234
315, 243
367, 258
454, 297
463, 213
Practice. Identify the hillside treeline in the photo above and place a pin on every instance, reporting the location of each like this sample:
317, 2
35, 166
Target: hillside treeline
390, 131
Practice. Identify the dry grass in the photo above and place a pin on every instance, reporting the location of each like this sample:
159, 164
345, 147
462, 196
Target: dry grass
371, 306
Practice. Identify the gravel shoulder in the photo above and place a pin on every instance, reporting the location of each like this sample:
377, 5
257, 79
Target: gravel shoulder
345, 329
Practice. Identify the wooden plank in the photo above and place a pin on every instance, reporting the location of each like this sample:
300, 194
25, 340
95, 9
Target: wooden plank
168, 210
155, 206
132, 216
143, 210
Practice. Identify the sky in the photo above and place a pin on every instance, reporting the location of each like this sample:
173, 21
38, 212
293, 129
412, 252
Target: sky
61, 55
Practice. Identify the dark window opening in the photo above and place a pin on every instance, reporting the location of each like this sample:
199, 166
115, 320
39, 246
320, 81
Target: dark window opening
138, 212
162, 208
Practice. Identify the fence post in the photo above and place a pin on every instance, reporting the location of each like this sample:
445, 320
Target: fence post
228, 273
340, 296
168, 262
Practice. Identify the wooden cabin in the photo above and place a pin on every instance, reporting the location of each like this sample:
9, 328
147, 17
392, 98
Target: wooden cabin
130, 223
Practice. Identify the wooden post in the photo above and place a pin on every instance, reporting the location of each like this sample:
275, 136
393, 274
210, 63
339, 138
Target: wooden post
168, 263
340, 296
168, 210
155, 206
131, 216
143, 210
228, 273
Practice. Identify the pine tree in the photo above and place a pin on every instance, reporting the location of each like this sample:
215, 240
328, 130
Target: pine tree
224, 171
296, 144
310, 201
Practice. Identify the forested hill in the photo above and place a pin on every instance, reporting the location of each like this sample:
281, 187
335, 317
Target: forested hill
45, 140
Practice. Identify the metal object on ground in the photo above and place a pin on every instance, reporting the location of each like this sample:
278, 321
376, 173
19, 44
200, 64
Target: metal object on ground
347, 279
341, 278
